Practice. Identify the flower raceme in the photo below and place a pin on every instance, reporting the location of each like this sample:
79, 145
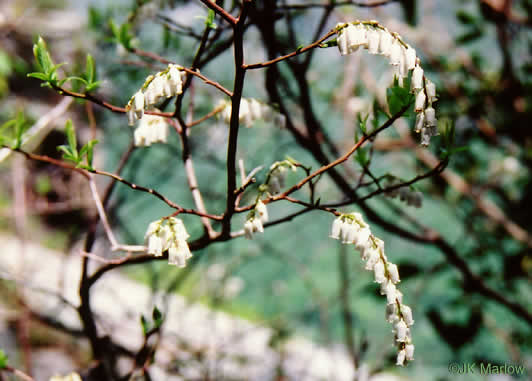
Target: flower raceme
250, 111
164, 84
352, 229
151, 129
168, 234
255, 219
377, 39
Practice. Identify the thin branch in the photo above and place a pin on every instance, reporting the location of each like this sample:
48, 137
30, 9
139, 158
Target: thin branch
337, 4
316, 44
219, 10
102, 214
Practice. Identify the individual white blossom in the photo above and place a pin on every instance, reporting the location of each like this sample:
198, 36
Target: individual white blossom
352, 229
400, 329
373, 40
178, 253
409, 352
420, 121
391, 313
407, 315
151, 129
419, 105
393, 271
378, 40
410, 58
262, 212
401, 357
417, 78
385, 44
390, 290
396, 53
164, 84
430, 88
169, 234
335, 230
378, 269
248, 229
250, 111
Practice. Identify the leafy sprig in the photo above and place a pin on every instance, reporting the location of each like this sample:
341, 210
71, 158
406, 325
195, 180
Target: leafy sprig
71, 153
48, 70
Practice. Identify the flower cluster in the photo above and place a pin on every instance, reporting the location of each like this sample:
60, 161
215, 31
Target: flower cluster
406, 194
425, 92
164, 84
276, 175
255, 219
378, 40
151, 129
351, 229
250, 111
169, 234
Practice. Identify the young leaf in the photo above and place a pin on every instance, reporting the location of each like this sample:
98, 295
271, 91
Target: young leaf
20, 128
88, 150
92, 86
41, 76
209, 21
89, 69
42, 56
71, 135
144, 324
3, 359
157, 317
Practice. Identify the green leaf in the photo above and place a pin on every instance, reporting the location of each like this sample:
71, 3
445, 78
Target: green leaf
209, 21
88, 149
42, 56
20, 128
68, 154
71, 135
124, 36
144, 324
41, 76
114, 30
89, 69
157, 317
92, 86
466, 18
362, 157
3, 359
74, 78
398, 98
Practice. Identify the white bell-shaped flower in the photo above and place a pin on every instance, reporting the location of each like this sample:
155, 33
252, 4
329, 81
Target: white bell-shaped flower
378, 270
407, 315
401, 330
178, 253
335, 229
262, 212
396, 53
401, 356
393, 272
374, 37
385, 43
420, 101
410, 58
417, 78
409, 352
